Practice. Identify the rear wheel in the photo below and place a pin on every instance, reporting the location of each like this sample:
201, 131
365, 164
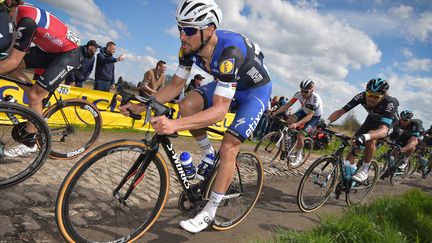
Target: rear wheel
317, 183
90, 209
242, 193
75, 125
269, 148
13, 120
359, 192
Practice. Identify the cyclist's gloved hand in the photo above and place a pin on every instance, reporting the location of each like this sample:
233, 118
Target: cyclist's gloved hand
361, 140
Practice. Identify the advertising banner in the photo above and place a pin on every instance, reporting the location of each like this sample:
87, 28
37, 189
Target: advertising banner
110, 115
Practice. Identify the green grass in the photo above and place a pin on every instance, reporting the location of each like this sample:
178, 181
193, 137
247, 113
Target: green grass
407, 218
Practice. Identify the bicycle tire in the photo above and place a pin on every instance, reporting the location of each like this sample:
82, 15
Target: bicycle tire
307, 152
67, 142
396, 177
356, 189
86, 207
237, 203
268, 149
415, 163
316, 170
18, 169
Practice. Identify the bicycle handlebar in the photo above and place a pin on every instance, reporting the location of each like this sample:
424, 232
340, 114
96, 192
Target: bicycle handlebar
337, 134
150, 101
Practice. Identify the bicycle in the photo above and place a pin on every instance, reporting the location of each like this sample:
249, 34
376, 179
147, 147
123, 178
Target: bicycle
281, 145
418, 162
75, 123
321, 177
16, 170
391, 165
124, 203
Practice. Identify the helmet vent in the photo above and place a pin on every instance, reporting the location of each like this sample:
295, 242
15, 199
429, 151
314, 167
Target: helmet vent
194, 7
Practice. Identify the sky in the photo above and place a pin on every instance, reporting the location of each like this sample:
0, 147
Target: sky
340, 44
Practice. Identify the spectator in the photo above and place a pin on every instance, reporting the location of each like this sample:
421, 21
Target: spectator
104, 75
194, 83
88, 52
154, 79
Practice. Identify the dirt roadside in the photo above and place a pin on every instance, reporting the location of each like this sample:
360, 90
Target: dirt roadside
27, 210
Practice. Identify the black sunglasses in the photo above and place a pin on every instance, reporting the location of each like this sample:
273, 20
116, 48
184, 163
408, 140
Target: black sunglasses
188, 31
305, 91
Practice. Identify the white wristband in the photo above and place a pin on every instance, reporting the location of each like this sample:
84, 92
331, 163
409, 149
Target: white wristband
327, 122
367, 136
182, 72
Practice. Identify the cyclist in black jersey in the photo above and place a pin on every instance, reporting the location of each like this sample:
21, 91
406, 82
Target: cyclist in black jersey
381, 108
237, 65
410, 133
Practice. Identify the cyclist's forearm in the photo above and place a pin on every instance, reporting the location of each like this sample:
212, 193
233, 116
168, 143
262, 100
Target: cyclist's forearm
336, 115
305, 119
201, 119
172, 90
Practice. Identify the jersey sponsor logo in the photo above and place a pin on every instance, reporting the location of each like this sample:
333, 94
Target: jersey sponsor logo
390, 107
53, 39
240, 122
358, 96
61, 75
68, 68
255, 120
227, 66
11, 28
255, 75
19, 32
181, 53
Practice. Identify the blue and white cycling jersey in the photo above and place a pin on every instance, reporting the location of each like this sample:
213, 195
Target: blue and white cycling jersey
238, 68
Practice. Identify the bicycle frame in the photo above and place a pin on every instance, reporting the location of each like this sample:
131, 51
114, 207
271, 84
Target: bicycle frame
29, 85
142, 162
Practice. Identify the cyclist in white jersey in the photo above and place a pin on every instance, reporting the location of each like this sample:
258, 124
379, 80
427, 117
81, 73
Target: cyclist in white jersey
308, 115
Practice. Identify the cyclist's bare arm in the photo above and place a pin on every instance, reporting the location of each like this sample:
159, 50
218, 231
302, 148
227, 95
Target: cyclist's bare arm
305, 119
12, 61
282, 108
169, 92
411, 144
381, 132
206, 117
336, 115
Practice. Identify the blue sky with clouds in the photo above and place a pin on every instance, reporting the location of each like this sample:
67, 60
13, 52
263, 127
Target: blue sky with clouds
340, 44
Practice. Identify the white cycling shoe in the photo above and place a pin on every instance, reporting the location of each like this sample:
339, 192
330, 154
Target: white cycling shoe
20, 150
360, 176
196, 224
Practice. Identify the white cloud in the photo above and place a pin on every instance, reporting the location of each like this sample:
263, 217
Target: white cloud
401, 11
396, 22
421, 29
416, 64
89, 21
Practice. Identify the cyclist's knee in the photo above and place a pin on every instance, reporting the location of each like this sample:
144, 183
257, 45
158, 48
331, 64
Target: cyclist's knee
191, 104
230, 144
36, 94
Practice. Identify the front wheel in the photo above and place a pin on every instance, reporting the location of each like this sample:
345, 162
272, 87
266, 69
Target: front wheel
317, 184
242, 194
94, 206
359, 191
75, 125
397, 174
294, 161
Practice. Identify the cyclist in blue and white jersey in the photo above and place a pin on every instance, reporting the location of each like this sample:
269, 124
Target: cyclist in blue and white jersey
308, 115
238, 68
381, 108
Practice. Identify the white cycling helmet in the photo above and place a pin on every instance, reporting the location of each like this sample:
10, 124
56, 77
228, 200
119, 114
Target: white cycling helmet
307, 84
199, 13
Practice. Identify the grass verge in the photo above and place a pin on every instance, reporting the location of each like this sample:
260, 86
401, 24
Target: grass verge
407, 218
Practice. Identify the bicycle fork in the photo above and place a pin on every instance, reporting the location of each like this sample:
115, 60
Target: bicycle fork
137, 172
